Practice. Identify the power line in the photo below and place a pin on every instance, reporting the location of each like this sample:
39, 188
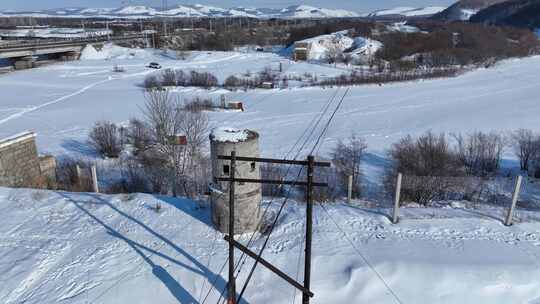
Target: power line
330, 120
364, 258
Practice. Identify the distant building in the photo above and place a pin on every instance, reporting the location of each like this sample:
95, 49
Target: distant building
301, 50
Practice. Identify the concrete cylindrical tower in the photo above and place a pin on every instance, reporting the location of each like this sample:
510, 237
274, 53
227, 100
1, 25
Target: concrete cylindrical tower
248, 196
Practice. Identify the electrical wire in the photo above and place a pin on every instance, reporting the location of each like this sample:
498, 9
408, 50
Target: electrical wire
364, 258
287, 197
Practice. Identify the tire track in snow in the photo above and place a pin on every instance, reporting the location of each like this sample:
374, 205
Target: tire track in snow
55, 101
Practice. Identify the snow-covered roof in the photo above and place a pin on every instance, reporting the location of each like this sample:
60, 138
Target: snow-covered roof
232, 135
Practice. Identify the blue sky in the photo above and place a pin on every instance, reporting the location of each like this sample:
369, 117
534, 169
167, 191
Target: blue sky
357, 5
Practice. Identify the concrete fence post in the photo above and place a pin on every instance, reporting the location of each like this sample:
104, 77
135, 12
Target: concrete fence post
510, 215
78, 172
349, 189
95, 186
395, 213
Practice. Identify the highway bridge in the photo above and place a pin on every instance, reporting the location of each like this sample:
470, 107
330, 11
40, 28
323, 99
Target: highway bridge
24, 53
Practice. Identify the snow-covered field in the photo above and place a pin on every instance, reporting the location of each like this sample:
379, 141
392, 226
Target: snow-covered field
60, 247
62, 101
85, 248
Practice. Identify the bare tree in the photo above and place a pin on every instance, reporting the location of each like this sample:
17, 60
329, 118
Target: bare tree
139, 135
526, 146
160, 111
168, 77
347, 156
105, 138
169, 119
480, 153
151, 82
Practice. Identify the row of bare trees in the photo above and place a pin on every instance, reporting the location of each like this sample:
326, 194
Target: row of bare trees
180, 78
526, 145
440, 166
358, 78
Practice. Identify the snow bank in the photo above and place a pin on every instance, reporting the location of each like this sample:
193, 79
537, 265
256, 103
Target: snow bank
90, 53
402, 27
111, 51
409, 11
60, 247
320, 45
466, 14
365, 47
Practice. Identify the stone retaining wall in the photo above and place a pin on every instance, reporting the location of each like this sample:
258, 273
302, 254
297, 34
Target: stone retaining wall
20, 164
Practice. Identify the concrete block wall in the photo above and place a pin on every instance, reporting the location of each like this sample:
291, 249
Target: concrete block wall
47, 166
19, 161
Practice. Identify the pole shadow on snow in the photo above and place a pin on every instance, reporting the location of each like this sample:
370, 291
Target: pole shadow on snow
176, 289
188, 207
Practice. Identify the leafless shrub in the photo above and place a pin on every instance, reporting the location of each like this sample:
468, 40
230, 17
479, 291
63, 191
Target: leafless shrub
267, 75
139, 135
333, 191
526, 146
181, 78
152, 82
204, 79
67, 177
160, 111
168, 78
480, 153
356, 78
232, 82
105, 138
198, 104
132, 179
118, 69
167, 163
426, 157
346, 157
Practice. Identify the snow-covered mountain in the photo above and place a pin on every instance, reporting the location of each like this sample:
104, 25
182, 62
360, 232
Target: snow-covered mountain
465, 9
407, 12
180, 11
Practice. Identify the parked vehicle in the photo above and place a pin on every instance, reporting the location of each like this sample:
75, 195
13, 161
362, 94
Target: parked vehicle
154, 65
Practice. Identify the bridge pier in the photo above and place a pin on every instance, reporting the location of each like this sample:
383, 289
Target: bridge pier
24, 63
70, 56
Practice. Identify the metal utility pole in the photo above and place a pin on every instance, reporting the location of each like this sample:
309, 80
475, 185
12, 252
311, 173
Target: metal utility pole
164, 8
310, 184
309, 228
232, 285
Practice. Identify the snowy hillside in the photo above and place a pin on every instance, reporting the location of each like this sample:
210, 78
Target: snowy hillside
197, 10
58, 247
408, 11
